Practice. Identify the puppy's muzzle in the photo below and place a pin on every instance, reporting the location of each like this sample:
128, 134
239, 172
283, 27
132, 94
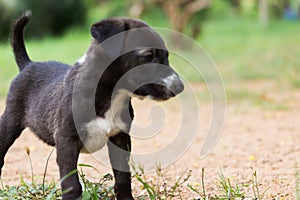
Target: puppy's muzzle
162, 89
158, 82
173, 84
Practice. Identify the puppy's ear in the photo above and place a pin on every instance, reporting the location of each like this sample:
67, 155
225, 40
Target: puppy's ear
108, 28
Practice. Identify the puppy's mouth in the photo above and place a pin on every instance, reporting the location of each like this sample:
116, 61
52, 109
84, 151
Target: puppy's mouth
158, 92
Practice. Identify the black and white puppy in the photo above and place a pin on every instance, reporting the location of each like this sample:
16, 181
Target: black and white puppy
44, 95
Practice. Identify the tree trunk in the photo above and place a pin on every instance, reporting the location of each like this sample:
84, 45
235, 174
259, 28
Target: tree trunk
263, 12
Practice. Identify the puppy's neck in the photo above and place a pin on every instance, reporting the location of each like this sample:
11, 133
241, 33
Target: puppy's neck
98, 84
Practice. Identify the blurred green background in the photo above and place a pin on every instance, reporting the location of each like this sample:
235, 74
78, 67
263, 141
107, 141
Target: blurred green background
249, 40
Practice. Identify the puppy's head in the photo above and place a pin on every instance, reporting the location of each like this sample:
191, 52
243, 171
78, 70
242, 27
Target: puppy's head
143, 69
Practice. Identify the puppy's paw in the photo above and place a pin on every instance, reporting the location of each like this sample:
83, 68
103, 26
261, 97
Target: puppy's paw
125, 197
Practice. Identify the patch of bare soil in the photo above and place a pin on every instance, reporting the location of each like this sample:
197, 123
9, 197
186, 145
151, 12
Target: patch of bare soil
256, 136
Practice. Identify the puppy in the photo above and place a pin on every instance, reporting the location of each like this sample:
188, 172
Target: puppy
56, 100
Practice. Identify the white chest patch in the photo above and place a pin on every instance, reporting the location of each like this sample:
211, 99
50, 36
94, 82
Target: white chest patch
100, 129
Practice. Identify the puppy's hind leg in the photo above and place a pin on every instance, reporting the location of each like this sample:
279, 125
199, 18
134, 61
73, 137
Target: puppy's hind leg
10, 129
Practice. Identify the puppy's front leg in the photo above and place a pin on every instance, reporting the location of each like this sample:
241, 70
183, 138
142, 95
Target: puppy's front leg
119, 148
67, 157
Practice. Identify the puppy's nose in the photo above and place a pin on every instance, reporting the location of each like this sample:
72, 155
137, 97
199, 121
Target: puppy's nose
174, 84
177, 87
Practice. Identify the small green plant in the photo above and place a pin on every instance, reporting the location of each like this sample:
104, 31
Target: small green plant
202, 193
159, 188
230, 191
100, 190
227, 190
255, 186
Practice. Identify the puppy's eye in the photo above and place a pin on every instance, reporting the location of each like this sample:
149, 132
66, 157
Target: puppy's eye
148, 57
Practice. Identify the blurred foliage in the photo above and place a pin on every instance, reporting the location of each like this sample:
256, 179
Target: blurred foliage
54, 17
51, 16
277, 7
220, 9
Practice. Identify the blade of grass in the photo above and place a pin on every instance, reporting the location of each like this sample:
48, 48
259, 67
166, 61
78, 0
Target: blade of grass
229, 189
61, 180
178, 183
2, 185
24, 184
255, 185
194, 189
202, 181
175, 186
27, 149
150, 190
45, 172
82, 177
158, 181
89, 166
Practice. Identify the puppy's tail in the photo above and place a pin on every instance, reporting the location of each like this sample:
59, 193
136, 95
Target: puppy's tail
17, 40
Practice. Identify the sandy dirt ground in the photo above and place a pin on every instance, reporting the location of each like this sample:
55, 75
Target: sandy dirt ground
256, 136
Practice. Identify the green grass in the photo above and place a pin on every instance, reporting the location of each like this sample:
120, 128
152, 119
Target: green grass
103, 189
30, 191
244, 50
157, 187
